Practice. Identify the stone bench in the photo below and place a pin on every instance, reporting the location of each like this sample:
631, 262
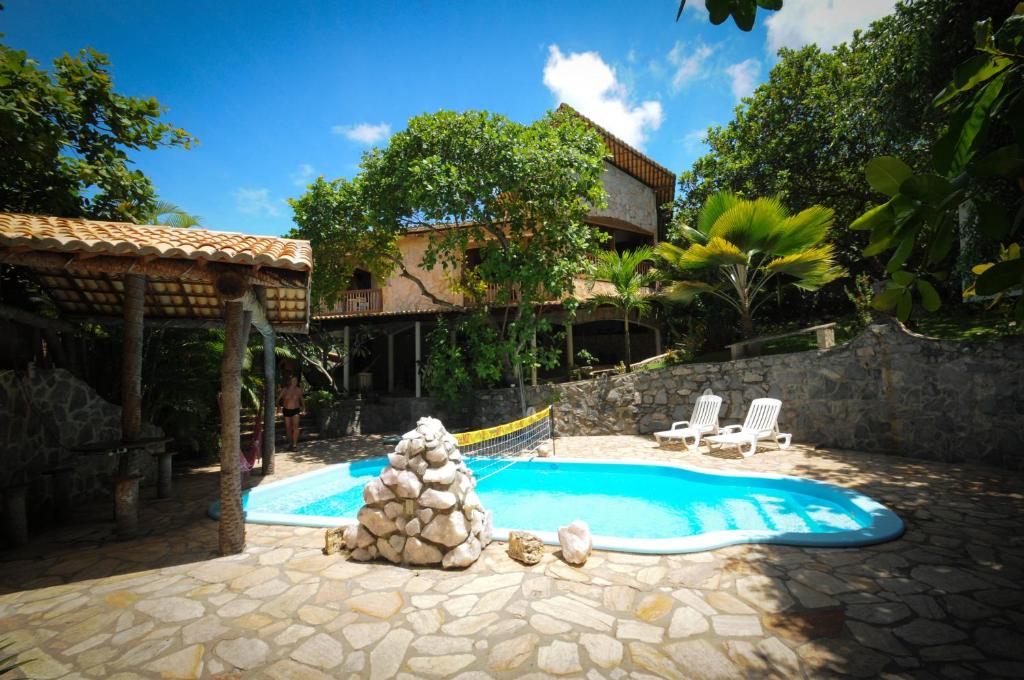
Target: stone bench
826, 335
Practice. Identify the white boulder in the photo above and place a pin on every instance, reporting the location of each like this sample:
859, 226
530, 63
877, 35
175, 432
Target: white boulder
576, 543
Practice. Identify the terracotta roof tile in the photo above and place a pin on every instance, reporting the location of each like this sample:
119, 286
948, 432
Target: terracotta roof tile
61, 234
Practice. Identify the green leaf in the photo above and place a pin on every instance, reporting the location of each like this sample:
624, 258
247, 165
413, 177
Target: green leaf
1006, 161
1010, 36
903, 306
929, 296
773, 5
885, 174
880, 214
983, 35
928, 188
899, 257
877, 247
992, 219
1000, 277
956, 146
888, 298
743, 14
903, 278
718, 10
941, 240
971, 73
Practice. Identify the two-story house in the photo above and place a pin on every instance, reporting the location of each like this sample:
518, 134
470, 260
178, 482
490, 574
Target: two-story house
399, 315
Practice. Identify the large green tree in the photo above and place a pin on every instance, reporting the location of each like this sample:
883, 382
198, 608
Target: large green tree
66, 137
806, 134
743, 248
518, 193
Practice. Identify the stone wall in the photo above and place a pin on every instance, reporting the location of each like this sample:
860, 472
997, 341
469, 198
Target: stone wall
887, 390
44, 416
629, 199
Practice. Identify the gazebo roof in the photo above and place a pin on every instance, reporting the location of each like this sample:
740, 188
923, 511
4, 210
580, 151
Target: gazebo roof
82, 263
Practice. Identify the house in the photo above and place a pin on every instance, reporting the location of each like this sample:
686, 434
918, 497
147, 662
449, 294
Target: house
384, 322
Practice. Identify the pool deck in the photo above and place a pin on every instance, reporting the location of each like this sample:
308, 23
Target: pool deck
945, 600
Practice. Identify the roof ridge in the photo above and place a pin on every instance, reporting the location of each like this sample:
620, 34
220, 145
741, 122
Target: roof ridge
603, 130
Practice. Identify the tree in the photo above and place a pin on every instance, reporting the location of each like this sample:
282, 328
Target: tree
743, 245
171, 215
65, 139
630, 286
517, 192
980, 152
806, 134
743, 12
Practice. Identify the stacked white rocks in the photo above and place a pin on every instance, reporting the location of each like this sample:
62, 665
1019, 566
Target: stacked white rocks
422, 509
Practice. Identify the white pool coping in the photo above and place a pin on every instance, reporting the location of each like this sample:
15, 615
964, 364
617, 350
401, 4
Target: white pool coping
884, 524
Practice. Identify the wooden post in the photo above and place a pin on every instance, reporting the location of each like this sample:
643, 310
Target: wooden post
269, 403
131, 361
826, 337
232, 520
418, 357
568, 345
533, 361
657, 341
346, 367
391, 362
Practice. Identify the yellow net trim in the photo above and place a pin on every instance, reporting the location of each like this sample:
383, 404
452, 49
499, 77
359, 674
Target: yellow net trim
477, 436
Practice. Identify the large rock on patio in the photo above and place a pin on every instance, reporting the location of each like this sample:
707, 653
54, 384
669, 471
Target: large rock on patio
422, 508
525, 547
575, 542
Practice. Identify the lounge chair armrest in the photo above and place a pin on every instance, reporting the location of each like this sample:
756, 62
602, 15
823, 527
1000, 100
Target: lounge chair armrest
730, 429
680, 423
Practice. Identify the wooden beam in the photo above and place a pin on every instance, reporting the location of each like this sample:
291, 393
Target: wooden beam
231, 527
35, 321
131, 358
191, 271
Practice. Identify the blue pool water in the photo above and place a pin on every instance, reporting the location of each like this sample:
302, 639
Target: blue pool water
629, 506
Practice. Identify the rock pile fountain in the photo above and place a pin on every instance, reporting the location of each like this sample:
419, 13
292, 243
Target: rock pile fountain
422, 509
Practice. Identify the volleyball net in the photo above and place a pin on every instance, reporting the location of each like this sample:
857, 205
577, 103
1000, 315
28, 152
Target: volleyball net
495, 447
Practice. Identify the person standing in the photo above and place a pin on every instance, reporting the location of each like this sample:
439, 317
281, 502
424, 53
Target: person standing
293, 404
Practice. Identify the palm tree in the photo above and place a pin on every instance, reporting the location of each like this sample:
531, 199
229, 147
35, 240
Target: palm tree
171, 215
740, 245
630, 286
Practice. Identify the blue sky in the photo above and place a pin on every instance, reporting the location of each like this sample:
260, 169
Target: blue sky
280, 92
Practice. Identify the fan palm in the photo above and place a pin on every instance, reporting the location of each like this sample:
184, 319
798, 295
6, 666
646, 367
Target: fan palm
740, 245
630, 287
171, 215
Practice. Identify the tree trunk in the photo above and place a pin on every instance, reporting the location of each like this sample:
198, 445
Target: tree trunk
232, 521
629, 353
747, 321
131, 362
269, 403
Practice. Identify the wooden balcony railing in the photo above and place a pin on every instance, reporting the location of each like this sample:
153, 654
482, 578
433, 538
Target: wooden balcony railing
356, 302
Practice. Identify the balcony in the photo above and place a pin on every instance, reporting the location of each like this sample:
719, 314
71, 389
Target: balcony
358, 302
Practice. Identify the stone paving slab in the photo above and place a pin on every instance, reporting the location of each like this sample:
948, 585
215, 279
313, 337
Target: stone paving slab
945, 600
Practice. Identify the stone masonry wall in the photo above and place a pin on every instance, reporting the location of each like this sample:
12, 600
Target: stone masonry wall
887, 390
42, 417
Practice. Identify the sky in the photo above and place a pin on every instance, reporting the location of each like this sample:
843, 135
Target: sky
279, 93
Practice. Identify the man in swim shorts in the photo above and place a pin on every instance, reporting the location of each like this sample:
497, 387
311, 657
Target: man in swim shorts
293, 405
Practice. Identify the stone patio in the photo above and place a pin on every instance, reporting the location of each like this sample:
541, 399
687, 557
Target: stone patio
946, 600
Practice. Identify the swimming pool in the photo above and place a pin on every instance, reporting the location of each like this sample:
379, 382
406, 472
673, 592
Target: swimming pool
630, 505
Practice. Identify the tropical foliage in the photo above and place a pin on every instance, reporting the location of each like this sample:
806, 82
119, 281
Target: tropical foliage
630, 286
806, 134
743, 12
66, 139
742, 247
975, 164
171, 215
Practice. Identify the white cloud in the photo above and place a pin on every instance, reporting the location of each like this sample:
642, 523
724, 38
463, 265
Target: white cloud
584, 81
689, 63
364, 133
694, 139
825, 22
744, 77
303, 175
255, 202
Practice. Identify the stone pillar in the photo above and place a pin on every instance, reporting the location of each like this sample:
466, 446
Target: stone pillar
419, 351
657, 341
826, 337
391, 362
346, 367
568, 345
164, 483
126, 504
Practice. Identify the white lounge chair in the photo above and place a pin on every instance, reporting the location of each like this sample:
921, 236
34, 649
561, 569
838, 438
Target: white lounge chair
704, 420
762, 422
